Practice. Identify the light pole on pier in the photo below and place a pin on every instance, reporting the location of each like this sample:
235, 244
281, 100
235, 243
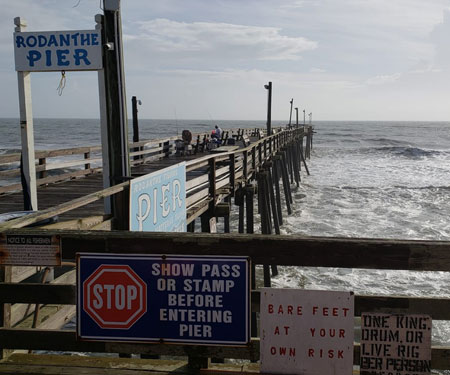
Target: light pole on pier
269, 108
296, 115
290, 114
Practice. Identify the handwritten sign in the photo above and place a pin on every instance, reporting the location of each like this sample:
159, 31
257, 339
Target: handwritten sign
306, 332
158, 201
58, 50
164, 298
395, 344
30, 250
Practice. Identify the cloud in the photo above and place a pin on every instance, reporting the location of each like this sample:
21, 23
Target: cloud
383, 79
218, 40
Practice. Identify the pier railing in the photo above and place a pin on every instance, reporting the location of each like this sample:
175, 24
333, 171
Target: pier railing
213, 178
54, 166
290, 251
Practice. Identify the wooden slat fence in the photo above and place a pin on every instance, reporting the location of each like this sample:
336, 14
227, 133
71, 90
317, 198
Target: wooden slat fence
290, 250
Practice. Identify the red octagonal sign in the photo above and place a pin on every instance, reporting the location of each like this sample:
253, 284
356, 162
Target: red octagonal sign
115, 296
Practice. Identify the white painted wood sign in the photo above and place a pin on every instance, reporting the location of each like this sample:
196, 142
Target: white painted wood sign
395, 344
58, 50
306, 332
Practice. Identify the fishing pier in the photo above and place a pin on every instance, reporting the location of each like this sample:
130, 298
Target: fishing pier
100, 244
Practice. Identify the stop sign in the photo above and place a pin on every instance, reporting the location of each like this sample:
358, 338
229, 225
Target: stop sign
114, 296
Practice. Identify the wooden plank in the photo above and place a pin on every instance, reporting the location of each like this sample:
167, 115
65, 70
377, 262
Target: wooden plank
51, 363
197, 197
38, 293
66, 176
291, 250
67, 151
196, 182
59, 319
38, 339
66, 164
64, 207
5, 309
10, 158
20, 311
76, 224
20, 273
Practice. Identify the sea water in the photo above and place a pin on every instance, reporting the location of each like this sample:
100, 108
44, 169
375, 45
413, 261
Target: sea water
368, 180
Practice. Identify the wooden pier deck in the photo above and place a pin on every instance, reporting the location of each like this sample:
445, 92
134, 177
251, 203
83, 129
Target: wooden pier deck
214, 176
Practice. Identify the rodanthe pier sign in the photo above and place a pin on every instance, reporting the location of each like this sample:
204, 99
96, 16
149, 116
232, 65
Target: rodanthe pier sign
58, 50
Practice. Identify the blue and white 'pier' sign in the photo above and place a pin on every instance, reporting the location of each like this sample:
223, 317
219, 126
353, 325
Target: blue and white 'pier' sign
164, 298
58, 50
158, 201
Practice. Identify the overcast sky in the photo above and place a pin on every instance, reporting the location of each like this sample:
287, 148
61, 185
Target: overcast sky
210, 59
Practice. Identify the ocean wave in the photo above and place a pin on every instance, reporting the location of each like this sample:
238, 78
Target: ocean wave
407, 152
411, 152
388, 141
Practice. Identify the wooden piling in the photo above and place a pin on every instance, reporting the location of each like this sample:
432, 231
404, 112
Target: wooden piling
285, 179
270, 187
276, 181
239, 201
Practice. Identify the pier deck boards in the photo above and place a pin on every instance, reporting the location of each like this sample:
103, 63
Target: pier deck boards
55, 194
75, 365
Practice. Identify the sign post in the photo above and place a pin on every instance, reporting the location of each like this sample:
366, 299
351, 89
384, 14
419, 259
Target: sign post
116, 109
26, 132
46, 51
163, 298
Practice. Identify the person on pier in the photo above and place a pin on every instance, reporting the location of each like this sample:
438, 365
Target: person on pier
216, 134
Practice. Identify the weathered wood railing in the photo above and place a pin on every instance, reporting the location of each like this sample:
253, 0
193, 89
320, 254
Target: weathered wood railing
210, 179
82, 161
290, 251
87, 164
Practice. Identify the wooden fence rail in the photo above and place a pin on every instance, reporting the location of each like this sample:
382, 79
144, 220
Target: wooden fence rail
291, 250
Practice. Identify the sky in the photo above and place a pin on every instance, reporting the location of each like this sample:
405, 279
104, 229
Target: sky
210, 59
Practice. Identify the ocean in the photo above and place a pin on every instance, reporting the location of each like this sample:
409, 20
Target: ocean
368, 179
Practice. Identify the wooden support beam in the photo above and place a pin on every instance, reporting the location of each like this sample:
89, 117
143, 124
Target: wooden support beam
5, 308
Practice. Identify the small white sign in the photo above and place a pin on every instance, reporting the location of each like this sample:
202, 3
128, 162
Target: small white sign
395, 344
58, 50
306, 332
